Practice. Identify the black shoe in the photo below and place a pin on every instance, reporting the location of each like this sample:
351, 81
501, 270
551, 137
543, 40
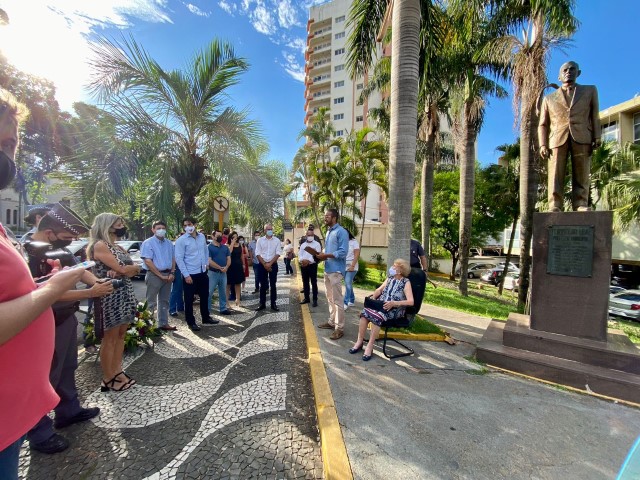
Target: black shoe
314, 304
255, 291
210, 321
173, 314
225, 312
301, 291
195, 328
261, 307
82, 416
57, 443
306, 300
275, 308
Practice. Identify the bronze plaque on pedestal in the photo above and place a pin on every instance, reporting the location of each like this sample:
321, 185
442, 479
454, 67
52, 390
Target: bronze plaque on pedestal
570, 251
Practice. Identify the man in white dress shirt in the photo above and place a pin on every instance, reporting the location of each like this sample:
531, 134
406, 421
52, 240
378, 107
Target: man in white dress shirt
268, 250
309, 268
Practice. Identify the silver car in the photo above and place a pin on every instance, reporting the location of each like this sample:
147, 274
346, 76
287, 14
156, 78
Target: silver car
476, 269
512, 281
625, 304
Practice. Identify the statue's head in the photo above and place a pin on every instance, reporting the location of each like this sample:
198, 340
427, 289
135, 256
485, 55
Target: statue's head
569, 71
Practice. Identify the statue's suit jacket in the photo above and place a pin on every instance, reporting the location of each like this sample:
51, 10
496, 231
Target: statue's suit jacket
580, 118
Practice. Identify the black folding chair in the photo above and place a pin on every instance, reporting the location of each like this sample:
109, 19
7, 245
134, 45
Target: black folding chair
418, 281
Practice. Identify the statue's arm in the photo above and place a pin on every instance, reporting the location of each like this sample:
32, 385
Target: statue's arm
543, 125
595, 117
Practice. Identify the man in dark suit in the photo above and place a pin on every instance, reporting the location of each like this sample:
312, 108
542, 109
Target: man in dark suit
569, 123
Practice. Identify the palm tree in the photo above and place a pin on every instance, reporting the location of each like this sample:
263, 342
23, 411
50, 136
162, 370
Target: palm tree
185, 107
544, 24
468, 103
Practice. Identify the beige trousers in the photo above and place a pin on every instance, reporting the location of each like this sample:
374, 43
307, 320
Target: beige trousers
581, 167
335, 299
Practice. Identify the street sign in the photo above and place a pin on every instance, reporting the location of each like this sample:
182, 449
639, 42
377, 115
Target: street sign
220, 204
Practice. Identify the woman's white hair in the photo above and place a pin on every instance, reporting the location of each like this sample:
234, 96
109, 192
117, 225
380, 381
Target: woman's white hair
405, 268
100, 228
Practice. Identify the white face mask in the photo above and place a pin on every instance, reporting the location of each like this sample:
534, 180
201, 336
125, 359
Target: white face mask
161, 233
190, 229
393, 271
310, 239
241, 242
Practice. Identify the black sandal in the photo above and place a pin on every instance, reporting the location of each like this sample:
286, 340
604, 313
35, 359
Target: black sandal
130, 381
111, 385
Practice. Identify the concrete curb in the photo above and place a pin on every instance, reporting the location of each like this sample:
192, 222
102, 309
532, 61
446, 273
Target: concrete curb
334, 452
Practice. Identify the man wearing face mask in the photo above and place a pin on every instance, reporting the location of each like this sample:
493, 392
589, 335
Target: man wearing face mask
219, 261
309, 268
158, 255
35, 213
254, 259
192, 257
58, 228
268, 250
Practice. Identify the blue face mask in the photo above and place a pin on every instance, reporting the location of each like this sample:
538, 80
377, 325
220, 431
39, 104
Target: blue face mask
269, 233
392, 271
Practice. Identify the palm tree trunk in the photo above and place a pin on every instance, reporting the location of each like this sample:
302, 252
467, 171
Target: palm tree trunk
467, 191
528, 186
405, 49
508, 258
426, 198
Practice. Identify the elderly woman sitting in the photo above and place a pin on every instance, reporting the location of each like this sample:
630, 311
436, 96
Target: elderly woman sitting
396, 294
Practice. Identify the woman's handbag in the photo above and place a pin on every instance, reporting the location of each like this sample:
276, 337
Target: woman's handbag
377, 305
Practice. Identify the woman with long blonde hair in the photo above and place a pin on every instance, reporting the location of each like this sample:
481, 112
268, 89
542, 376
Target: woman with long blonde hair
114, 312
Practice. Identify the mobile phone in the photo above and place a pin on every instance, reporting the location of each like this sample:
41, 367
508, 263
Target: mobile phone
82, 265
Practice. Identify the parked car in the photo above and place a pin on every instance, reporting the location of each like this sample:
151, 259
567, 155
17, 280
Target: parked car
512, 281
133, 249
79, 249
613, 290
476, 269
494, 275
625, 304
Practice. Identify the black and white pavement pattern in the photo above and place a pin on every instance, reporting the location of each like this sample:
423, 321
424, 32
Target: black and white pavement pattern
231, 401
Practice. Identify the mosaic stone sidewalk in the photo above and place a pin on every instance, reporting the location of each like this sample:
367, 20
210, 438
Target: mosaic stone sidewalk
231, 401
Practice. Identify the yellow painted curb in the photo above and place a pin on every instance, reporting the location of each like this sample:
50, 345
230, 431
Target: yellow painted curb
335, 460
420, 337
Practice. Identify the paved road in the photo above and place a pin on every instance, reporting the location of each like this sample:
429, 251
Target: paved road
231, 401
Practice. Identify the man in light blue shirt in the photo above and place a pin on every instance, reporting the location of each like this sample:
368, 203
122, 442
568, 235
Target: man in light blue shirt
335, 257
157, 253
192, 257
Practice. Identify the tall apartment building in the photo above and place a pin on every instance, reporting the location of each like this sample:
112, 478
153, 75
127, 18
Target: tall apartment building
327, 83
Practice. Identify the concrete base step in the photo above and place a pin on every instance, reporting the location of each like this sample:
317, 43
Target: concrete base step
601, 380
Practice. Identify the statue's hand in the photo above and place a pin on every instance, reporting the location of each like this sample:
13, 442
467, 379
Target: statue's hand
597, 142
544, 151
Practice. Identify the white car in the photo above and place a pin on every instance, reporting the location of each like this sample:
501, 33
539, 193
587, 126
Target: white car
512, 281
625, 304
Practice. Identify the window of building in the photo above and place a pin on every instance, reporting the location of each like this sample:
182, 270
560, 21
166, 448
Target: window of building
359, 118
336, 149
339, 51
636, 128
339, 133
338, 100
360, 86
610, 132
15, 217
8, 222
340, 19
338, 68
338, 116
339, 35
338, 84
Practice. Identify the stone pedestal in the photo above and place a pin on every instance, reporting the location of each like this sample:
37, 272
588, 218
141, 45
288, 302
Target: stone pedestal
565, 340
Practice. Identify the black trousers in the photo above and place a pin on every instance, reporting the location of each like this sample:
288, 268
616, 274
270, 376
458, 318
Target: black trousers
200, 286
310, 275
287, 264
268, 282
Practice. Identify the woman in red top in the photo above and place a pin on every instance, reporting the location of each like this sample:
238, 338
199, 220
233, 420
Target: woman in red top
26, 320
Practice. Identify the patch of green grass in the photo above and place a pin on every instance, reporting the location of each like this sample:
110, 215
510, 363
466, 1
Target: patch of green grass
476, 304
420, 325
632, 329
373, 278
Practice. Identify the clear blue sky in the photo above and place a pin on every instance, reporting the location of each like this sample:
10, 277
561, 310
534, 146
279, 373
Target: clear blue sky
271, 35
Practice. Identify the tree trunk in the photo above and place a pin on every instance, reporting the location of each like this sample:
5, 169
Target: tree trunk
405, 49
364, 216
528, 186
426, 182
467, 191
508, 258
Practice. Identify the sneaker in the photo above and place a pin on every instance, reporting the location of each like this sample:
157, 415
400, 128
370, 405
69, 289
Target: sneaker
346, 306
173, 314
337, 335
56, 443
82, 416
327, 326
351, 304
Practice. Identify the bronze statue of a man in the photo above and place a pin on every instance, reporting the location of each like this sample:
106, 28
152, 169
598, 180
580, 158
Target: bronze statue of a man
569, 123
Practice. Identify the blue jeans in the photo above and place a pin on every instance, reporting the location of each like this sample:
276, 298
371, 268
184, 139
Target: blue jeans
349, 296
9, 458
218, 279
176, 301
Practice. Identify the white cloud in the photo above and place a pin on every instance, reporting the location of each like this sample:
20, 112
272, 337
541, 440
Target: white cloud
227, 7
292, 66
196, 11
287, 14
262, 20
64, 29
